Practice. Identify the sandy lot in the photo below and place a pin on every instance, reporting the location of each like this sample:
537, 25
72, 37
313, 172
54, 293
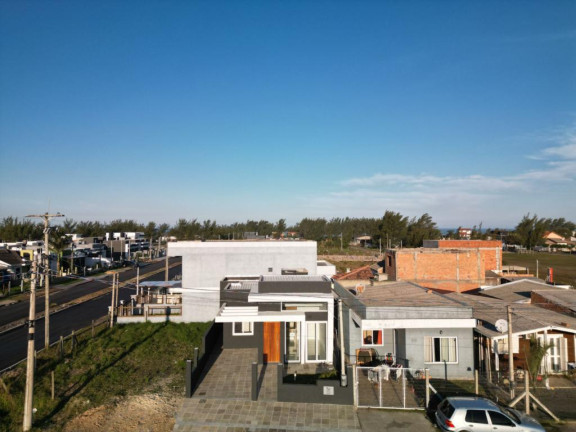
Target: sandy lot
143, 413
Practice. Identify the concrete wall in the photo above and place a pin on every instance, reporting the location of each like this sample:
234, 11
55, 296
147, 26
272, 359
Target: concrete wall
204, 264
253, 341
464, 369
314, 393
325, 268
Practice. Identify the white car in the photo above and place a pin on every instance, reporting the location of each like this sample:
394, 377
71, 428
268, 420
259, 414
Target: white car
477, 414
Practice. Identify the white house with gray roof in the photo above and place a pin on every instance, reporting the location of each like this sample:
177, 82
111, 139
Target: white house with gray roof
418, 327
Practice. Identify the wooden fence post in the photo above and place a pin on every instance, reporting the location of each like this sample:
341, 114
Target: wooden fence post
53, 384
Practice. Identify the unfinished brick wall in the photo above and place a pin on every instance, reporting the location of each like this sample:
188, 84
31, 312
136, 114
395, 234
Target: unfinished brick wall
491, 249
445, 269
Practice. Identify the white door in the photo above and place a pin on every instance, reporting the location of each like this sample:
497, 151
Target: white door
553, 360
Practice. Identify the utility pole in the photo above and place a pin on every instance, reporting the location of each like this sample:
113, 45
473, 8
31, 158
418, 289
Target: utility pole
72, 258
113, 300
510, 352
46, 218
166, 270
29, 392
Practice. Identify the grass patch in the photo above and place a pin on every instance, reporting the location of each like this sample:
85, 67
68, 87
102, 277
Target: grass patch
564, 265
126, 360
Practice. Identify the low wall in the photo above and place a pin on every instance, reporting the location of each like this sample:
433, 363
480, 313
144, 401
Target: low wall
325, 391
211, 341
362, 258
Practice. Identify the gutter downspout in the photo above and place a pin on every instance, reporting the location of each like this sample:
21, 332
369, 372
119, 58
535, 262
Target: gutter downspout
343, 377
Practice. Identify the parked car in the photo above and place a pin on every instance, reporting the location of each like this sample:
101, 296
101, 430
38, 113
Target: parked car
476, 414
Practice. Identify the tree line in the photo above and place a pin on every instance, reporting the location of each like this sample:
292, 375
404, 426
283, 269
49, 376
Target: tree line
391, 230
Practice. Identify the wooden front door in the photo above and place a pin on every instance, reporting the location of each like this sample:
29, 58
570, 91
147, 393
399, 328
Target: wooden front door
271, 343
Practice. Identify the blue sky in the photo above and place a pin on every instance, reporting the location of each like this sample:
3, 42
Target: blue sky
157, 110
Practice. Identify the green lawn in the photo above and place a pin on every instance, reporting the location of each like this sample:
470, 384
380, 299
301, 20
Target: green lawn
125, 360
564, 265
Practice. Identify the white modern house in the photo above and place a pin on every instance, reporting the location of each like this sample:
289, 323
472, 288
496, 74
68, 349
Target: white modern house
290, 319
205, 264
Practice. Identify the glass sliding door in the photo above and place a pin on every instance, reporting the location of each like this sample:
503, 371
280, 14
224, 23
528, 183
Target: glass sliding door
292, 342
316, 341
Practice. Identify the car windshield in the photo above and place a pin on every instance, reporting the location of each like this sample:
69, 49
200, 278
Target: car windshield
511, 413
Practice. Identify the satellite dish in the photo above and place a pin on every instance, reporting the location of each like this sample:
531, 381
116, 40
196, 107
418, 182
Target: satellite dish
501, 325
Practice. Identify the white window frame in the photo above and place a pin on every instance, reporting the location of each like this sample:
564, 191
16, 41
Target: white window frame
316, 323
372, 344
440, 337
250, 331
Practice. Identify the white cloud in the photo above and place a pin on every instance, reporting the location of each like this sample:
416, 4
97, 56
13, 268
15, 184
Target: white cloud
455, 200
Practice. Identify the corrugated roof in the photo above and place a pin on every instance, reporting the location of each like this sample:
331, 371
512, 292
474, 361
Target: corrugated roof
10, 257
562, 297
517, 291
525, 317
403, 294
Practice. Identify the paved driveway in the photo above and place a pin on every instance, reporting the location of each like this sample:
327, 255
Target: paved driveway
222, 403
378, 420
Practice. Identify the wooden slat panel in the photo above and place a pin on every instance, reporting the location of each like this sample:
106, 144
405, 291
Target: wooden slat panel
271, 343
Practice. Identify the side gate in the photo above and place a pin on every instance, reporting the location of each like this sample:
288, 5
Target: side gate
389, 387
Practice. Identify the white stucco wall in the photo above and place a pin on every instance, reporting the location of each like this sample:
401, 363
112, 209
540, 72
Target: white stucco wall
205, 264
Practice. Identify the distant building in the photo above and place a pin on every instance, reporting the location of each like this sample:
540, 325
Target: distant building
553, 239
465, 233
125, 236
10, 266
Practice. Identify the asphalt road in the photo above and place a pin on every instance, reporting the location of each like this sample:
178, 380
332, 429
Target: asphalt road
61, 294
13, 344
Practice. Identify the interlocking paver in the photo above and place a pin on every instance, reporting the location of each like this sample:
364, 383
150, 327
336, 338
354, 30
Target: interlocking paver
222, 402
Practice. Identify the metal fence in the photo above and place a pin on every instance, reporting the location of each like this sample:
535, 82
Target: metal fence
393, 387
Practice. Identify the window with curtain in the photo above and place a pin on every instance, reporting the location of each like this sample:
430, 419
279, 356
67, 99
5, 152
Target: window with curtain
372, 337
440, 349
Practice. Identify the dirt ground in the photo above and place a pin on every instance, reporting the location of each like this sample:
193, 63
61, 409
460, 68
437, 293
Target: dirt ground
142, 413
